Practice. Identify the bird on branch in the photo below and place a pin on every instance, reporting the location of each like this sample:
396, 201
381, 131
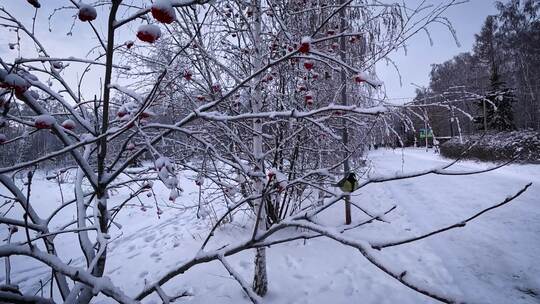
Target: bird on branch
348, 184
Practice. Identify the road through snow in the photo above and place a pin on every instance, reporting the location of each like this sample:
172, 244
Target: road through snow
493, 259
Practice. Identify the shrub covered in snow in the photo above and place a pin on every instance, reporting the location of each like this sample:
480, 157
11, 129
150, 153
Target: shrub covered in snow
523, 144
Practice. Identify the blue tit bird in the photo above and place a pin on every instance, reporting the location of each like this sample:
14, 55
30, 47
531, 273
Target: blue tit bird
348, 184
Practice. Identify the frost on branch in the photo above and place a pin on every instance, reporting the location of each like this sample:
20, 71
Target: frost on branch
163, 162
148, 33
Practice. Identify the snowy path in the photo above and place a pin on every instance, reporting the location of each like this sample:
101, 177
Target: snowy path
492, 260
495, 258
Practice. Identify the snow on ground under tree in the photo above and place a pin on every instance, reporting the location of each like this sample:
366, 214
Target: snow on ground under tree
491, 260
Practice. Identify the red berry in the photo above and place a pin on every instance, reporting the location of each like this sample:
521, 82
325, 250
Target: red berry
216, 88
68, 124
359, 78
44, 121
187, 75
147, 114
87, 12
57, 65
305, 45
34, 3
15, 82
163, 11
148, 33
308, 65
122, 112
304, 48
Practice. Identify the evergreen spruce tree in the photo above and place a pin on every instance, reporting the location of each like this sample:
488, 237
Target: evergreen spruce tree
499, 110
498, 100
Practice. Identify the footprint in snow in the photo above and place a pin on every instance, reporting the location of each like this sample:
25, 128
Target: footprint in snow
132, 256
149, 238
244, 264
339, 271
327, 287
143, 274
349, 290
298, 276
291, 262
112, 271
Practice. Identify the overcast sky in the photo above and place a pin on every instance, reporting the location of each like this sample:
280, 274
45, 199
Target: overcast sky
467, 19
414, 67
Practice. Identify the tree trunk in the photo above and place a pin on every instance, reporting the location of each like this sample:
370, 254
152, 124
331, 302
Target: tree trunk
260, 280
345, 134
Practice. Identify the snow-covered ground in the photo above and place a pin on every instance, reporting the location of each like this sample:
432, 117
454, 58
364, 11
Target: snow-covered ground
492, 260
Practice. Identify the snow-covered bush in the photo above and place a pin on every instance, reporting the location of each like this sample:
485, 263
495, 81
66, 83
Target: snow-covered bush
522, 145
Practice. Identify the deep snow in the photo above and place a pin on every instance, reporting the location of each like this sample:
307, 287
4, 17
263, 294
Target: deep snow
492, 260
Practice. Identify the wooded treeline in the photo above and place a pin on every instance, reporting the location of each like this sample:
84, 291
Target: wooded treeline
501, 72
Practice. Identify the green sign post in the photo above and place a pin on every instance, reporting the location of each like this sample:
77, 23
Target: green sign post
426, 133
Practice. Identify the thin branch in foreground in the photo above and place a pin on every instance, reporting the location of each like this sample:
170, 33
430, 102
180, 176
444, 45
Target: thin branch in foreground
456, 225
255, 299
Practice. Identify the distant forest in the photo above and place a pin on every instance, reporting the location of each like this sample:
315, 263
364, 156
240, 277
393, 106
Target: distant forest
499, 79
